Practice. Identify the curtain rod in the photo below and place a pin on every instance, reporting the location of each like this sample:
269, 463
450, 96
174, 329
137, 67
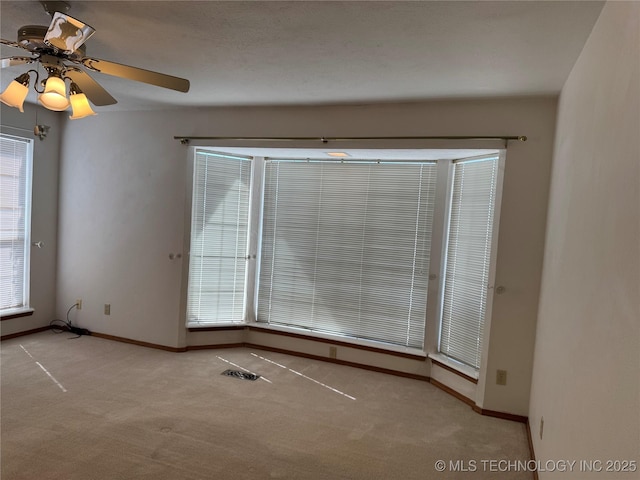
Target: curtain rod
185, 139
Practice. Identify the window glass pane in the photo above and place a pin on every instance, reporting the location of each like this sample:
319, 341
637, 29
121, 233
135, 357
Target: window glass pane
345, 248
15, 211
468, 259
219, 225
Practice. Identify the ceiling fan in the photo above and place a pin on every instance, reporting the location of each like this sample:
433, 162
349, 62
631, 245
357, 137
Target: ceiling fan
60, 49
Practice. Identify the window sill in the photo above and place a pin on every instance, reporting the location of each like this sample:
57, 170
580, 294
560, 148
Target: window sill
302, 334
11, 313
340, 340
457, 367
211, 327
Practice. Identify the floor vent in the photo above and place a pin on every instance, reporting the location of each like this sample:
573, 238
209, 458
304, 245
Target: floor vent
241, 375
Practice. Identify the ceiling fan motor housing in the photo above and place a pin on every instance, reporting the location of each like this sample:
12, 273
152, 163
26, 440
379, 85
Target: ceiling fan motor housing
32, 38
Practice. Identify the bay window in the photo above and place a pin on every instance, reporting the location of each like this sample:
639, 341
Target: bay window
343, 249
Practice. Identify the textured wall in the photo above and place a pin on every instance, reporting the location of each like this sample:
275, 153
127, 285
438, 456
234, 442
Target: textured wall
586, 375
124, 192
44, 212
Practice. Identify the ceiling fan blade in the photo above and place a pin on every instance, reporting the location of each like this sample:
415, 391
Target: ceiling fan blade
13, 61
92, 89
137, 74
12, 44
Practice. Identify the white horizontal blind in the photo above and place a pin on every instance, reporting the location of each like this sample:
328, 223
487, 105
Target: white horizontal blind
15, 221
468, 259
219, 234
345, 248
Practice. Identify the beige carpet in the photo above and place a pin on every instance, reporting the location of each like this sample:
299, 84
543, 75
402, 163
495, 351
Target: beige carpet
90, 408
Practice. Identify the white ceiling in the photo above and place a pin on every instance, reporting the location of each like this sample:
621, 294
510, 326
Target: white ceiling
325, 52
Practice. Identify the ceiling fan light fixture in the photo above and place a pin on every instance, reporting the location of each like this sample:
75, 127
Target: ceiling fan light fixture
15, 94
79, 103
54, 96
60, 50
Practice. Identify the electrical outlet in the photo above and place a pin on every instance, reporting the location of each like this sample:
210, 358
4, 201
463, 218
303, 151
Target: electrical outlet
541, 426
107, 309
501, 377
333, 352
79, 304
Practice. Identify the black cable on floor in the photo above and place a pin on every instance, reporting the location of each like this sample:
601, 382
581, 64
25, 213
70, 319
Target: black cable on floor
59, 326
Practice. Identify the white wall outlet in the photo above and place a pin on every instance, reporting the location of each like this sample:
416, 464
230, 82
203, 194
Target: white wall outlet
333, 352
501, 377
107, 309
79, 304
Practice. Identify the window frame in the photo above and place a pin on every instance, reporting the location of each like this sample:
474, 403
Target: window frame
430, 169
488, 314
242, 318
25, 308
435, 284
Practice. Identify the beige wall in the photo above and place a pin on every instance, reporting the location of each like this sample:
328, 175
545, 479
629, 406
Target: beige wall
587, 354
44, 214
123, 200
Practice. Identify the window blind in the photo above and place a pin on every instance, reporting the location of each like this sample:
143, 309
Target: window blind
15, 221
467, 260
219, 224
345, 248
